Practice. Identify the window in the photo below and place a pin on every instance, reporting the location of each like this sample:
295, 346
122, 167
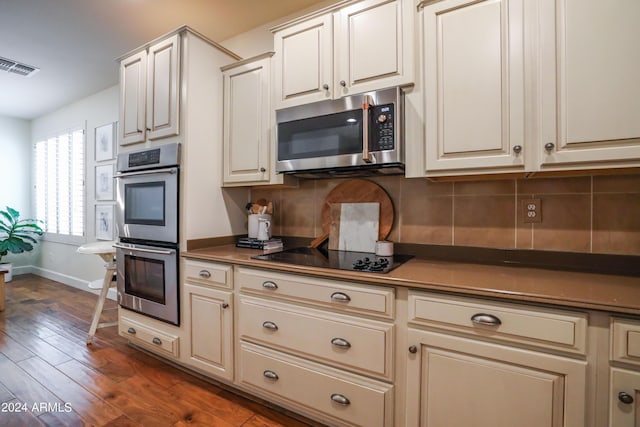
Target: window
59, 166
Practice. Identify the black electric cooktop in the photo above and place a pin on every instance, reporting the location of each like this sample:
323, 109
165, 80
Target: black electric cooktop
342, 260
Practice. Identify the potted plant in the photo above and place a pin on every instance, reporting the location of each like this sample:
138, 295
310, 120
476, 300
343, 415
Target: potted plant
16, 236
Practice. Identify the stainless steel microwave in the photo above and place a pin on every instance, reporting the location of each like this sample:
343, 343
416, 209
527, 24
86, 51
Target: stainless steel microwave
351, 136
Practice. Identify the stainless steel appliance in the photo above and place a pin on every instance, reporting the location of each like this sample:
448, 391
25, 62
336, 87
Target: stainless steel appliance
351, 136
147, 224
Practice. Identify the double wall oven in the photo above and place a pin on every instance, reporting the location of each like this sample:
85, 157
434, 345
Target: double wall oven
147, 251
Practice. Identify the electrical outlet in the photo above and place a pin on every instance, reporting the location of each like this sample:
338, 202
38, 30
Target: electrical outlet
531, 210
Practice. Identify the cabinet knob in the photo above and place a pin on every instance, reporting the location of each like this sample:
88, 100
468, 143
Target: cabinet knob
341, 343
625, 398
270, 325
486, 319
343, 83
517, 149
263, 170
340, 297
340, 399
270, 374
325, 86
156, 341
225, 305
131, 331
413, 349
549, 146
204, 274
269, 285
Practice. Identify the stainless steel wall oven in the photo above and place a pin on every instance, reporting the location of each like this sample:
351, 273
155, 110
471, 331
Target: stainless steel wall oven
147, 251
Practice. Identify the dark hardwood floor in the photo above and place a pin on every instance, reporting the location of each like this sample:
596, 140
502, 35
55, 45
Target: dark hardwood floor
48, 376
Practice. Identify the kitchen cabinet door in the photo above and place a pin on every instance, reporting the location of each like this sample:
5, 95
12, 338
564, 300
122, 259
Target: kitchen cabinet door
133, 81
374, 46
210, 321
590, 85
247, 122
624, 401
459, 382
473, 74
304, 62
163, 79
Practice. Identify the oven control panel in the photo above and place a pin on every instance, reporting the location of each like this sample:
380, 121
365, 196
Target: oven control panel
144, 158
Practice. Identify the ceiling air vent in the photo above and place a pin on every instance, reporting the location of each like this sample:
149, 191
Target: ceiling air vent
17, 68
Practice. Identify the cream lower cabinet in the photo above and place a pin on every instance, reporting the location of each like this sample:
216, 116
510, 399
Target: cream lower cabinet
302, 346
460, 380
153, 335
624, 390
208, 317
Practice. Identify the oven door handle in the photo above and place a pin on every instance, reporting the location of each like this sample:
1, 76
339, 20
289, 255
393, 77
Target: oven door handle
148, 172
139, 249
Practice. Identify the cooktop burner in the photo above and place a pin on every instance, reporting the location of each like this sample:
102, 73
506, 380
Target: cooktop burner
343, 260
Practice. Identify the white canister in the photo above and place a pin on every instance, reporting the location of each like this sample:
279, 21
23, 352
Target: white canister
253, 224
384, 248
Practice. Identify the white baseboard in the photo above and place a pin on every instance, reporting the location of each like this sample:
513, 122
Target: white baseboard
74, 282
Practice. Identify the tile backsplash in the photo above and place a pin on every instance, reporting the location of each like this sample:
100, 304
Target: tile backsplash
597, 214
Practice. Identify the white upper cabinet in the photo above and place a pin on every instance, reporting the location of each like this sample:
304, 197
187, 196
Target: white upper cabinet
365, 46
304, 62
590, 83
473, 75
247, 121
149, 92
373, 46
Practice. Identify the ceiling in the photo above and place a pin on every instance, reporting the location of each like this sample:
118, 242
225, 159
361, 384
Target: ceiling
74, 43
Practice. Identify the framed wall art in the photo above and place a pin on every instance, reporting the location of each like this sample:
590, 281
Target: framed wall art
105, 142
104, 222
104, 182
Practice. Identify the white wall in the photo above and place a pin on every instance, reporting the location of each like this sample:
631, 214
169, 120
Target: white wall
15, 174
60, 261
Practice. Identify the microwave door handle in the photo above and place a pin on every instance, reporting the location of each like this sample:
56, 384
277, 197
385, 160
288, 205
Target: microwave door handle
139, 249
366, 157
148, 172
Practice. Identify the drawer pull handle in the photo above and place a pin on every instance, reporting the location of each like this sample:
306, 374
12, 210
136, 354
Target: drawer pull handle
270, 325
341, 342
156, 341
132, 331
269, 285
486, 319
340, 297
204, 274
271, 375
340, 399
625, 398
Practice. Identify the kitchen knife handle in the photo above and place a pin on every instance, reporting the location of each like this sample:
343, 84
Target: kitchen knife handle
340, 297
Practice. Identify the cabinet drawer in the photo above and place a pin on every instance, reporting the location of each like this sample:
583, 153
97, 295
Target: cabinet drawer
541, 327
625, 340
148, 337
208, 273
336, 396
360, 345
339, 295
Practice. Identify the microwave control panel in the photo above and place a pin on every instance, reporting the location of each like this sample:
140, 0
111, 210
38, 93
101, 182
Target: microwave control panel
382, 134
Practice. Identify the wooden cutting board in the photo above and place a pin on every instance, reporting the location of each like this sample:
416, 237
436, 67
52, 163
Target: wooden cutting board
358, 191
